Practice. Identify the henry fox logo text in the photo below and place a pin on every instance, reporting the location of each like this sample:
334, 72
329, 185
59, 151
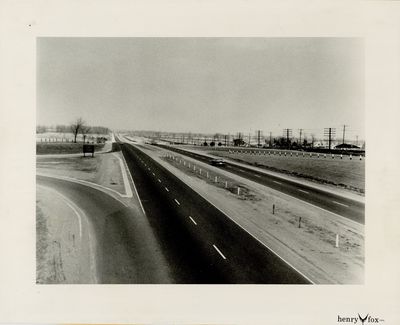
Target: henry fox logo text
359, 319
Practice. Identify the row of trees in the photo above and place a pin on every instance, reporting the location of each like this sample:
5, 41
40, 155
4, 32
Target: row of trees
77, 127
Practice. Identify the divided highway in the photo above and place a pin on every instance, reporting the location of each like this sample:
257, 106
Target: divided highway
342, 206
203, 244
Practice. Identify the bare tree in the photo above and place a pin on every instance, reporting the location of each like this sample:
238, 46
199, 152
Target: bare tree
85, 130
77, 126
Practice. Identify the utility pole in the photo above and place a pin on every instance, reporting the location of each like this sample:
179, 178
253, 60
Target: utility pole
344, 132
301, 131
259, 138
288, 133
330, 133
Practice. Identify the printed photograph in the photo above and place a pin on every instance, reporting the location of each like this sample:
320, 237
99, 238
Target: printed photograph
200, 160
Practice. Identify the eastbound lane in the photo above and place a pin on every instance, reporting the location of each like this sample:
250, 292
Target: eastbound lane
196, 232
342, 206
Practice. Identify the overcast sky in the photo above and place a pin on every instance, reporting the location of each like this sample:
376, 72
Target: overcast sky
203, 84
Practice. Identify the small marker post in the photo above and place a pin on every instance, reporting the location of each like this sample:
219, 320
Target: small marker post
238, 190
216, 179
337, 241
273, 208
226, 184
299, 222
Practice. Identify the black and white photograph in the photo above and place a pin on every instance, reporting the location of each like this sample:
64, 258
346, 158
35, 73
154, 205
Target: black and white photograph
196, 162
200, 161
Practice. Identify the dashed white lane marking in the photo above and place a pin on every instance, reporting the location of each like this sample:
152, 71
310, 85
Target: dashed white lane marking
154, 174
166, 189
193, 220
177, 202
219, 252
241, 170
304, 191
159, 180
256, 175
78, 212
277, 182
341, 204
128, 190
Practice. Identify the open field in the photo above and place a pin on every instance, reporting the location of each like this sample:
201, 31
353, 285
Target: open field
344, 173
66, 137
62, 148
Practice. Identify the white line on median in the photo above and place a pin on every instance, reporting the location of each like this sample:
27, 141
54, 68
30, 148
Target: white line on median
134, 186
219, 252
177, 202
341, 204
193, 220
128, 190
304, 191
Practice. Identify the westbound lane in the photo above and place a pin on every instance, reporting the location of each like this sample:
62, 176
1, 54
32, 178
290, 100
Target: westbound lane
342, 206
194, 232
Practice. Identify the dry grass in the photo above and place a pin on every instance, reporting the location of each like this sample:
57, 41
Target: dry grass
346, 173
62, 148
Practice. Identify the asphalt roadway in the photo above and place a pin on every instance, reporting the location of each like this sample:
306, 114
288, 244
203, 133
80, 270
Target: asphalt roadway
331, 202
124, 252
200, 243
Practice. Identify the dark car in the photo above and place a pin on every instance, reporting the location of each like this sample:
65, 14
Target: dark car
218, 162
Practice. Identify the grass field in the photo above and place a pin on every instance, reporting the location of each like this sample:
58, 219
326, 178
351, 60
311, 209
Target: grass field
345, 173
62, 148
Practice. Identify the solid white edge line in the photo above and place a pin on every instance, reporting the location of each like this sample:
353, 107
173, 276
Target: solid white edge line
92, 256
341, 204
303, 191
134, 186
177, 202
193, 220
86, 183
70, 204
128, 190
219, 252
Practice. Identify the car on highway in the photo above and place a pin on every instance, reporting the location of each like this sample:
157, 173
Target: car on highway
218, 162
